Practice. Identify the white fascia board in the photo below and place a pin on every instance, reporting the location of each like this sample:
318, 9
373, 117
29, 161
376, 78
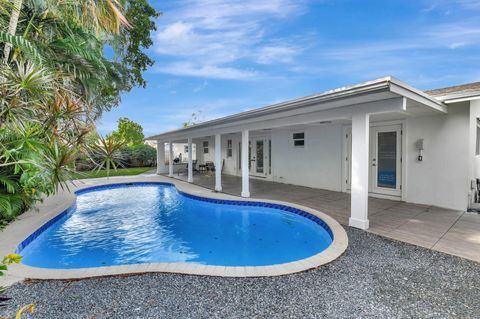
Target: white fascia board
455, 98
323, 101
336, 94
396, 104
403, 89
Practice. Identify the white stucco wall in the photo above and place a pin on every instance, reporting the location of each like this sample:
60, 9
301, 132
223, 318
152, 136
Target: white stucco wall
200, 156
317, 165
442, 178
475, 159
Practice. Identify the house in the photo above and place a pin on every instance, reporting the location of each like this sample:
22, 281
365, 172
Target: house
381, 138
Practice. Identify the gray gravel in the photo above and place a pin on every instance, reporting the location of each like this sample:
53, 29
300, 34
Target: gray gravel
375, 278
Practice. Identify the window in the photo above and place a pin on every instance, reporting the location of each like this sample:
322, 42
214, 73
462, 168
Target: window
205, 147
299, 139
239, 155
229, 148
477, 152
270, 157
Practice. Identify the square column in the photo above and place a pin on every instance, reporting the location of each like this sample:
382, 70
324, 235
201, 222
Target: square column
360, 166
244, 161
218, 162
170, 159
161, 169
190, 161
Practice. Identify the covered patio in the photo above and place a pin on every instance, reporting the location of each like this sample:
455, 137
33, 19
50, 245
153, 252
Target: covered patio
355, 153
450, 231
321, 118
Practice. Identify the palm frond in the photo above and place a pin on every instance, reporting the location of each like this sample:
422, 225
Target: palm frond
21, 43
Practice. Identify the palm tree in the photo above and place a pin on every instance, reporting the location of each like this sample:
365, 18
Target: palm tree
54, 83
12, 26
101, 16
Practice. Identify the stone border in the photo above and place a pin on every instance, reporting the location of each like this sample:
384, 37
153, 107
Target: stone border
28, 223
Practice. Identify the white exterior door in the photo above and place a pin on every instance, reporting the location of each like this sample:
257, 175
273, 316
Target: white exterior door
257, 152
385, 159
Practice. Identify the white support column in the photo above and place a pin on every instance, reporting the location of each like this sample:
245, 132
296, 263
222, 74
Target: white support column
244, 159
360, 167
161, 169
218, 162
170, 159
190, 161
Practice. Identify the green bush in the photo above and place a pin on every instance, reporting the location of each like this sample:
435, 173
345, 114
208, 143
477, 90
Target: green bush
139, 155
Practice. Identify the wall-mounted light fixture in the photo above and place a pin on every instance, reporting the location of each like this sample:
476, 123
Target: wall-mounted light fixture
420, 147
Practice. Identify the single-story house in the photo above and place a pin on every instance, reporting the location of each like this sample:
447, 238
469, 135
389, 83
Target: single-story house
381, 138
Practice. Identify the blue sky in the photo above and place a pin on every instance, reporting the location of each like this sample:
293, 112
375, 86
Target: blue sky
219, 57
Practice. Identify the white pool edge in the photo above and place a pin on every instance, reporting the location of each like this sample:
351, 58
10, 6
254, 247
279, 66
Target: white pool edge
32, 220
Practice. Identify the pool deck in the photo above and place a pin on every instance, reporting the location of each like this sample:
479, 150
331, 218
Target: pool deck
375, 277
31, 221
449, 231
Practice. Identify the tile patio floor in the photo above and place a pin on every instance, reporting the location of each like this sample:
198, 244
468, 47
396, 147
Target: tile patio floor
445, 230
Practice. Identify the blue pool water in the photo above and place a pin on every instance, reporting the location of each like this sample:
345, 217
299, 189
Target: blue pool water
152, 223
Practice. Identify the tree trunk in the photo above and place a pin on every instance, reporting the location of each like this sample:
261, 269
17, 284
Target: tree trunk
12, 27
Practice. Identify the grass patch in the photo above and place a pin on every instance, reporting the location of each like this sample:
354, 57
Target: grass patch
119, 172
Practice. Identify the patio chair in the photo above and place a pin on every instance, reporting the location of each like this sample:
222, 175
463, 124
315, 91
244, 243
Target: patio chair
194, 168
210, 166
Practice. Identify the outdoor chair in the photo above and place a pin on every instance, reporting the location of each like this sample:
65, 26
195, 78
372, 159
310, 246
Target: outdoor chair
210, 166
194, 168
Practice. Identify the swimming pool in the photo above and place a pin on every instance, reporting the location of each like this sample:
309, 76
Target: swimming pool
144, 223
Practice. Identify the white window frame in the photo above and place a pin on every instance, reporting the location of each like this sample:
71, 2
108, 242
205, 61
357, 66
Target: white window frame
205, 146
229, 148
304, 139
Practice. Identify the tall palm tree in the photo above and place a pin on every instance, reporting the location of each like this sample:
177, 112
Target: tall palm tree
100, 16
12, 26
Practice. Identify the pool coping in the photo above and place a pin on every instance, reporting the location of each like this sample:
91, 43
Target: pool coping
15, 233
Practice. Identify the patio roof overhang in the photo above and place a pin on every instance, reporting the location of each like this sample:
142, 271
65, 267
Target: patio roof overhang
382, 95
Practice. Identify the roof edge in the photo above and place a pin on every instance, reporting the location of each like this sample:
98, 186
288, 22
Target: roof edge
342, 92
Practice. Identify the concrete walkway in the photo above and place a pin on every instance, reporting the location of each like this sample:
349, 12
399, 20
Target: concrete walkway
445, 230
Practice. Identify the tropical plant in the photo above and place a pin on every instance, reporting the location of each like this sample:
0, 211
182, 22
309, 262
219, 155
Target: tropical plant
7, 261
107, 153
194, 119
139, 155
55, 82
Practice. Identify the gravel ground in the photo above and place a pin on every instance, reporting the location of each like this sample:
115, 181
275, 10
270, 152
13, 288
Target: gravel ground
375, 278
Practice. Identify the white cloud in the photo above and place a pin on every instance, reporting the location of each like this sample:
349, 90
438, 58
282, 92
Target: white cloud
212, 35
206, 71
200, 87
277, 54
457, 45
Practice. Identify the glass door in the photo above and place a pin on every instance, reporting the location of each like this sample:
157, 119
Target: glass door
257, 156
386, 160
260, 155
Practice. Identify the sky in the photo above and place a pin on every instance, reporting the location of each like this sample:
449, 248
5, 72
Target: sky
221, 57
